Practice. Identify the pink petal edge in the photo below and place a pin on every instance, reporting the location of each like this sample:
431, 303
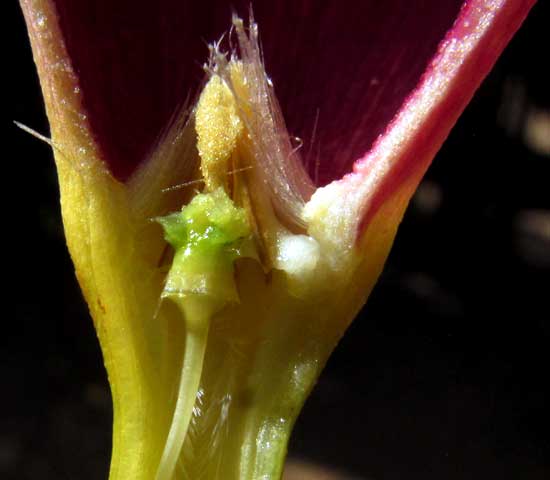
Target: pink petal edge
464, 58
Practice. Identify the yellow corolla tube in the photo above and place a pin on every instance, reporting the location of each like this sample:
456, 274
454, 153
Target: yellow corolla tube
219, 277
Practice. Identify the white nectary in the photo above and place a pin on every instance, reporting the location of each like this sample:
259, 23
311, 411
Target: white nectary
297, 254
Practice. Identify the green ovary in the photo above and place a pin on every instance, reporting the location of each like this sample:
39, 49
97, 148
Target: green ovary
208, 235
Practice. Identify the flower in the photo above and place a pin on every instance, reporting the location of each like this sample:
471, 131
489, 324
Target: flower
372, 92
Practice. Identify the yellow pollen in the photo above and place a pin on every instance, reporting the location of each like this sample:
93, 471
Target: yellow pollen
218, 128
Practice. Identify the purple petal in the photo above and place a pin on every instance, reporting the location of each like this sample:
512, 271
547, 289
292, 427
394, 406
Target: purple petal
342, 69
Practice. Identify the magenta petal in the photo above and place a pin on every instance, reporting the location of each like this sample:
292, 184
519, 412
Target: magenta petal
465, 56
342, 69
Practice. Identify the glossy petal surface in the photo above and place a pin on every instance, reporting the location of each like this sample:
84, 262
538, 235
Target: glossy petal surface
341, 69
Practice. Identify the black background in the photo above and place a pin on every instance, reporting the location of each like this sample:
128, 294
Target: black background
443, 376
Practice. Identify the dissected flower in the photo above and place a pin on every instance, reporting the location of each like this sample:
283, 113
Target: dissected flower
222, 258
